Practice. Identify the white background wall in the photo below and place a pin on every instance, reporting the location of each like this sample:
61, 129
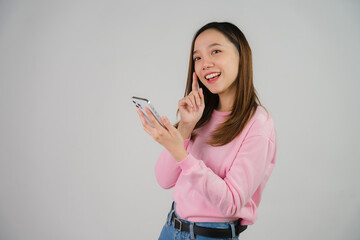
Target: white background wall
75, 162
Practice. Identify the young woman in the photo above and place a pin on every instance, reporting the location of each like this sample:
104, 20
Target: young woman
220, 154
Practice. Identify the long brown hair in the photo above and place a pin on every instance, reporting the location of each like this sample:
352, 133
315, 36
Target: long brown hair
246, 99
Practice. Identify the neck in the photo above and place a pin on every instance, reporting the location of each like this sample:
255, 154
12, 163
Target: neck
226, 101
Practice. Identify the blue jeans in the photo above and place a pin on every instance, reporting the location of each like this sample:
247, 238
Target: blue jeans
170, 233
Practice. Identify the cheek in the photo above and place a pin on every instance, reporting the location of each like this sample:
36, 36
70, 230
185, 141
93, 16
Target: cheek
233, 67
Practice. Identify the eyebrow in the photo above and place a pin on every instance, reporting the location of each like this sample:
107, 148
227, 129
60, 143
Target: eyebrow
211, 45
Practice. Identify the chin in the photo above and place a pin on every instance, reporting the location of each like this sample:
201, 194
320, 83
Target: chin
214, 90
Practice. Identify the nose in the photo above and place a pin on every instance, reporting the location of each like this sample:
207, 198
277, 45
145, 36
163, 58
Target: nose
206, 63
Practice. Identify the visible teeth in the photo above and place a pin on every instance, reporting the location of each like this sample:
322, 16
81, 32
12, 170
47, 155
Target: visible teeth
212, 75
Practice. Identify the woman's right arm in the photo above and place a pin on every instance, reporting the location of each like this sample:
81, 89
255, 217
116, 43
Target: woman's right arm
191, 109
166, 169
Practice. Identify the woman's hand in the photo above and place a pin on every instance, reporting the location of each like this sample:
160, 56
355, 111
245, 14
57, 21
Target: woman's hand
167, 136
191, 109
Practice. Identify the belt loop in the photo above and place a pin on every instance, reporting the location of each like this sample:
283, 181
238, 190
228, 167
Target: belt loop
169, 218
232, 230
171, 213
172, 210
192, 231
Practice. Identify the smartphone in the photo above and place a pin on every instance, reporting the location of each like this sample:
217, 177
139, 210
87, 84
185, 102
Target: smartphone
141, 103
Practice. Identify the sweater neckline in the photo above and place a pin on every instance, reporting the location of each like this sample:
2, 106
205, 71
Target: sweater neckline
218, 113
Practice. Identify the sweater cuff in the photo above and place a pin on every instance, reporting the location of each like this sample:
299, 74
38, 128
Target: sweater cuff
188, 163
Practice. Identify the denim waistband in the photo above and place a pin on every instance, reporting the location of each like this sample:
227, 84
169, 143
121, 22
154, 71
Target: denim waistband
218, 225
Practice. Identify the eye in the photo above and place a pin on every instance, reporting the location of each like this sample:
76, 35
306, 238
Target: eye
196, 58
216, 51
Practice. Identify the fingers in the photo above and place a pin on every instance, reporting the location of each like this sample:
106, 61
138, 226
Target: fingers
202, 98
168, 125
190, 101
187, 103
152, 119
147, 127
143, 119
195, 99
195, 89
195, 85
155, 132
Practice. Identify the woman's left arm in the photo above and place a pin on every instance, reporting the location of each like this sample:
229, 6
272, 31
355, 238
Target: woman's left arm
247, 175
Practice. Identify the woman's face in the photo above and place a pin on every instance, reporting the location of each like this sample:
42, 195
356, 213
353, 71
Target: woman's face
216, 61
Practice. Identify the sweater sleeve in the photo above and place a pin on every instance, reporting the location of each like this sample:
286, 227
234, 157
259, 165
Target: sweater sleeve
166, 169
251, 166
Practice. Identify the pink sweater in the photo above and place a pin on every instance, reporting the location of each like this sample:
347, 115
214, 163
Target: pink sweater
218, 184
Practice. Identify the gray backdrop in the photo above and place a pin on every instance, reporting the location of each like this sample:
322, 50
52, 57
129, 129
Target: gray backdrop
75, 162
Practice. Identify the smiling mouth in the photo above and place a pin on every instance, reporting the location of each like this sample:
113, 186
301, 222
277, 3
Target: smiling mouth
213, 79
212, 76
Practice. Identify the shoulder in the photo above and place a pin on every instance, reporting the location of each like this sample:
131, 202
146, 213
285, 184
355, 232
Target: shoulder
261, 124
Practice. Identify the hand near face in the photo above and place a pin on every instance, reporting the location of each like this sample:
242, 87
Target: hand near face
191, 109
192, 106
